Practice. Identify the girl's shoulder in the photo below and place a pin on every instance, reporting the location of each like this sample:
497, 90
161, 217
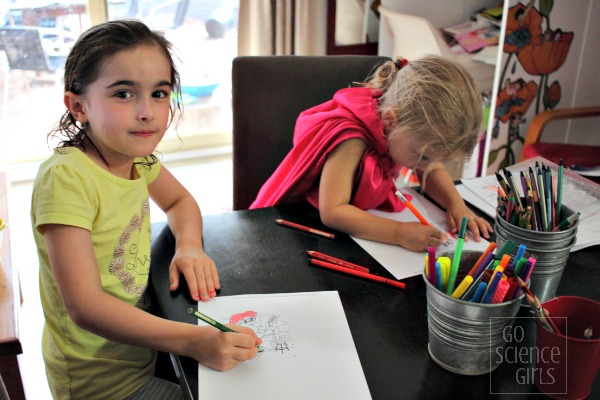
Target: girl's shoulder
146, 170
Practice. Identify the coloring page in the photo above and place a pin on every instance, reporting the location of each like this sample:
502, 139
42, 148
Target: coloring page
308, 351
403, 263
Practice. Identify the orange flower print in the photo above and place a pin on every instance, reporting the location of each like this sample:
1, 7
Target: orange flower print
547, 55
552, 95
515, 98
523, 25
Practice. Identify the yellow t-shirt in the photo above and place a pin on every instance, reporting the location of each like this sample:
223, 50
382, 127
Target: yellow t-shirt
70, 189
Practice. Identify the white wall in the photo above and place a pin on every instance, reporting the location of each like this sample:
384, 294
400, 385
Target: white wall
440, 13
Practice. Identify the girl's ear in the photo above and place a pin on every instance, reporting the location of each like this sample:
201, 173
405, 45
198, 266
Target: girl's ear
75, 105
388, 118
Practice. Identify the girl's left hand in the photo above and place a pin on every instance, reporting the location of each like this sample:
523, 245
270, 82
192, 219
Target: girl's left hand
478, 226
199, 271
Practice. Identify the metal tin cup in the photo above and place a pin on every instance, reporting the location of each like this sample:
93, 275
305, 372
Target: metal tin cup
464, 336
551, 249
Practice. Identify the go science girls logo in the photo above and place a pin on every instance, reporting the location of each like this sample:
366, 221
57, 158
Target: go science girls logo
529, 362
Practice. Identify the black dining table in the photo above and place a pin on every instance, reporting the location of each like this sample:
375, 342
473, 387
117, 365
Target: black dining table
254, 255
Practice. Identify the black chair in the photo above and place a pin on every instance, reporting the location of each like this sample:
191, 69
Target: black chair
268, 94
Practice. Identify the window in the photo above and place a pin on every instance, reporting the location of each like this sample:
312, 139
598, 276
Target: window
204, 33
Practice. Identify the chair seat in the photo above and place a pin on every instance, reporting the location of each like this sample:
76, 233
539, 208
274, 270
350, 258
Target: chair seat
571, 154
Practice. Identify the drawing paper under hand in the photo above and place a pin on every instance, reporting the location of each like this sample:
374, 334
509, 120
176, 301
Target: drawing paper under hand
308, 349
403, 263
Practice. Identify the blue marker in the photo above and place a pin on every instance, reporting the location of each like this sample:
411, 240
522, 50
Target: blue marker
520, 252
478, 293
438, 276
491, 288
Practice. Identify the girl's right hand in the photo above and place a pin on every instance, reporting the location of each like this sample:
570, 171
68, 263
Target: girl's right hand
224, 350
415, 236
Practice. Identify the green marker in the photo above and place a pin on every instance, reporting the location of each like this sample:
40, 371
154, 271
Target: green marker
457, 255
214, 323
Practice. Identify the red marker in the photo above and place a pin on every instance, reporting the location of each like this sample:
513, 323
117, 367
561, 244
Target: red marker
338, 261
349, 271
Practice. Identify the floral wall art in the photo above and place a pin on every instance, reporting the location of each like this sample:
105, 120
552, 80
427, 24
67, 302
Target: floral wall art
535, 49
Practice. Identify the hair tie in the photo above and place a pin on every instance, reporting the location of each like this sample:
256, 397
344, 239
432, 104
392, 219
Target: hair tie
400, 63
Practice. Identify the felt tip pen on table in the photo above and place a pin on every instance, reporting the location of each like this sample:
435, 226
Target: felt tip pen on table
305, 228
360, 274
212, 322
412, 208
335, 260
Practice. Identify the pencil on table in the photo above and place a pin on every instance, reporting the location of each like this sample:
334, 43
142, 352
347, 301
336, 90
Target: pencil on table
305, 228
360, 274
335, 260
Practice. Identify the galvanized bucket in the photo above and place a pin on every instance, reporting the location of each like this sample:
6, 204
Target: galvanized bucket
551, 249
464, 336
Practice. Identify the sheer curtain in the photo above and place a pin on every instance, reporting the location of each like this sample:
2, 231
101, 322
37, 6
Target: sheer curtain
280, 27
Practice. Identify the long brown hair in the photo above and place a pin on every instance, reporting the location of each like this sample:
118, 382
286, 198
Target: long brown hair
83, 66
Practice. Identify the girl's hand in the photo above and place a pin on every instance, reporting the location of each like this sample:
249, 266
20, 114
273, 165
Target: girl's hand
478, 226
415, 236
224, 350
199, 271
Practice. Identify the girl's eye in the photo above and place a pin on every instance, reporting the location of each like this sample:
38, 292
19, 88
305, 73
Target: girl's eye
161, 94
123, 94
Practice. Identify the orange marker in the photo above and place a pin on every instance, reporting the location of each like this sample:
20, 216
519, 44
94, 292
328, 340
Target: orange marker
412, 208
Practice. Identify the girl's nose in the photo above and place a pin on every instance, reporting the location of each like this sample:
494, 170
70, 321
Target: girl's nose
146, 110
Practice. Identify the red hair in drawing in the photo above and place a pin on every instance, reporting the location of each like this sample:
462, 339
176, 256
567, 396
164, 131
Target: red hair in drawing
235, 318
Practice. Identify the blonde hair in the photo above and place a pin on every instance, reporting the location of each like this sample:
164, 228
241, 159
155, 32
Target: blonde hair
434, 99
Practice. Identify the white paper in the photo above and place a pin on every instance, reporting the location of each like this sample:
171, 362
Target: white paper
579, 194
403, 263
308, 349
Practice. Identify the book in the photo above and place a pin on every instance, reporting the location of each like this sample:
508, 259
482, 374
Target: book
479, 38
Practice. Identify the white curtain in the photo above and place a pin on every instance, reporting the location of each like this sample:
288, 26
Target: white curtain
280, 27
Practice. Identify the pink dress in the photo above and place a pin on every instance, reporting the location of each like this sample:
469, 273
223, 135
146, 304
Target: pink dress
352, 113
